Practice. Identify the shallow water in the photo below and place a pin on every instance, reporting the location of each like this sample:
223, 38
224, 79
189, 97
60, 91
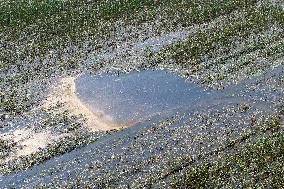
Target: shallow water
138, 96
145, 92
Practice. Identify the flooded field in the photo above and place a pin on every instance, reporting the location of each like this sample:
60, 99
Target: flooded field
137, 96
150, 94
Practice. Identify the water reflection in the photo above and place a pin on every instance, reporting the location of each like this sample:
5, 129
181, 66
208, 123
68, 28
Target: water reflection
138, 95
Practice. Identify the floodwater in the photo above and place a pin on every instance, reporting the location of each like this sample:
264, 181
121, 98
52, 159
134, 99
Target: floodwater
137, 96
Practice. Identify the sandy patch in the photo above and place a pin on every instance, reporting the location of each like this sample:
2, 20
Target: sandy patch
35, 143
29, 142
64, 93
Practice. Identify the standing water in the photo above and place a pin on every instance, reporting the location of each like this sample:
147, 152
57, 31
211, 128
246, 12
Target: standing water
134, 97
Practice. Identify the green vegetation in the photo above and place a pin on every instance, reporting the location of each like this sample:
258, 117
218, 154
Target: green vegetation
15, 100
44, 24
5, 148
254, 160
205, 43
231, 40
62, 146
211, 53
256, 165
44, 30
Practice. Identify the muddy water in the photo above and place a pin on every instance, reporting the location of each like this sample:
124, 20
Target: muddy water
137, 96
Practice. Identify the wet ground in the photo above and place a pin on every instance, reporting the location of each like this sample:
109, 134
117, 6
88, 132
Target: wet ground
170, 115
189, 115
